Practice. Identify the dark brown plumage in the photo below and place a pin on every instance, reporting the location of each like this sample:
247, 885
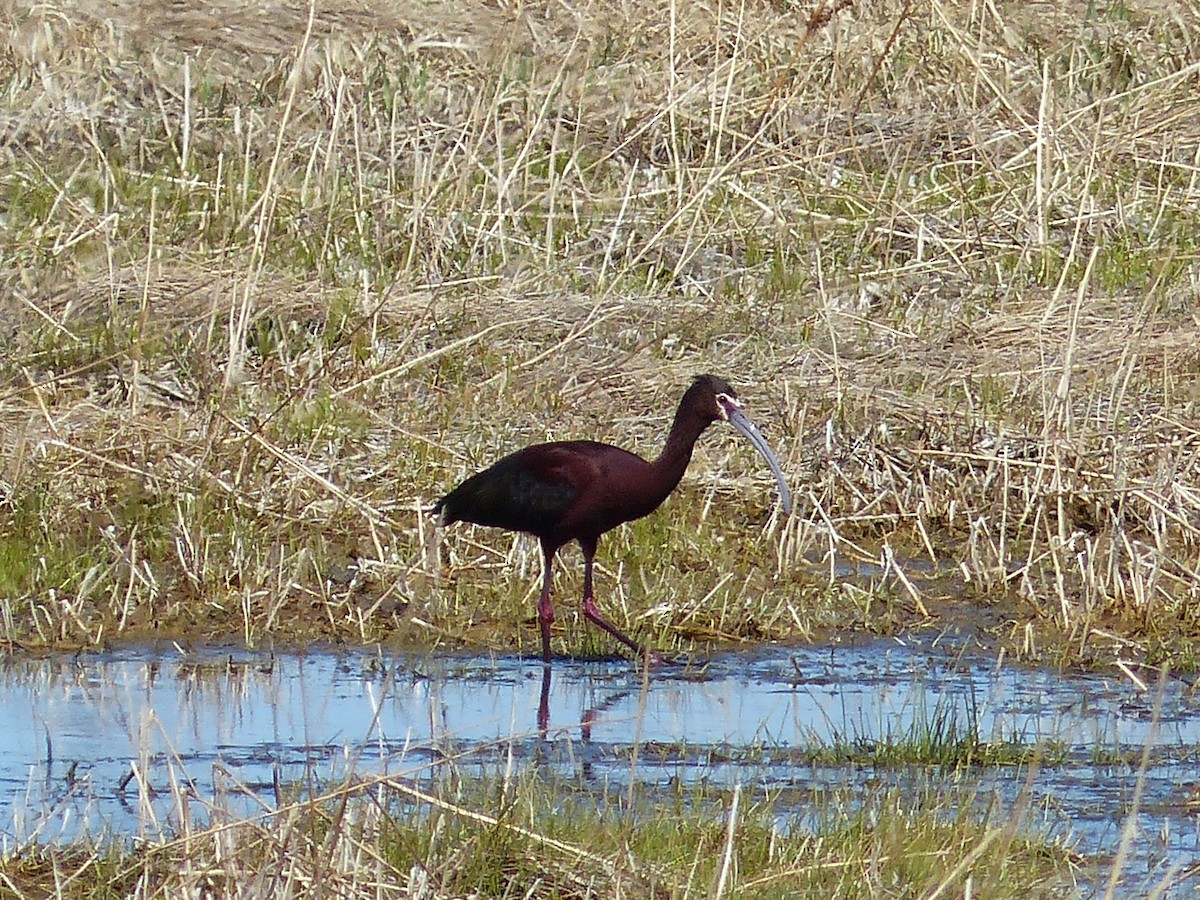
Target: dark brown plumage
577, 490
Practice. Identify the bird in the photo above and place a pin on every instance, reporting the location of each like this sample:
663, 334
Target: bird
567, 491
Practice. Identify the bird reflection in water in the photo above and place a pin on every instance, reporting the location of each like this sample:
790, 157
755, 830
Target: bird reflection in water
588, 719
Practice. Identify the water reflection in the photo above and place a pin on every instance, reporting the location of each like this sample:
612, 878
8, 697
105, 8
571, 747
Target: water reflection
125, 742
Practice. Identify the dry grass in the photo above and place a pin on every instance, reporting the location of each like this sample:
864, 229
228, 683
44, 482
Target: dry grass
274, 280
457, 836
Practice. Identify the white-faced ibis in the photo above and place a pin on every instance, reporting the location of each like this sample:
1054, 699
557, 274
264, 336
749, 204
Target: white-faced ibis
577, 490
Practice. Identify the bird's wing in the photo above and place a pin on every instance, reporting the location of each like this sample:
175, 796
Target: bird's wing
530, 491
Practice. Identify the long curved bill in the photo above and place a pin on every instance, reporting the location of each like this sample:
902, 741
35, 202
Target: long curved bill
746, 427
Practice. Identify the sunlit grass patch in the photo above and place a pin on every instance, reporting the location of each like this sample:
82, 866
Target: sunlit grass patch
488, 836
288, 285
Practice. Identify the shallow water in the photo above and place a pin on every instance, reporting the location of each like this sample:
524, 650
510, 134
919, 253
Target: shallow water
212, 725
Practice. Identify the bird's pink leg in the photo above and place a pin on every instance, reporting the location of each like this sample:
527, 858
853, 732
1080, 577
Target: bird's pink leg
592, 614
545, 606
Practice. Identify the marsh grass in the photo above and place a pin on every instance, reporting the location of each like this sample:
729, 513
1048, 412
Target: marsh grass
457, 834
273, 281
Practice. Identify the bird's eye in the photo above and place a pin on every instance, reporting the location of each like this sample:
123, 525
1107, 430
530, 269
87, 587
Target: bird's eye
724, 404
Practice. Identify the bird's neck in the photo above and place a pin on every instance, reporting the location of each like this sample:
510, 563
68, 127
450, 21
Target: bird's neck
677, 451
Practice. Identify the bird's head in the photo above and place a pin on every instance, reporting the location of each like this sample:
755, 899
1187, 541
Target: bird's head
712, 398
715, 399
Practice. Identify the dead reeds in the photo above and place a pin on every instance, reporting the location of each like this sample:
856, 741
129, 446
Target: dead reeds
274, 280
